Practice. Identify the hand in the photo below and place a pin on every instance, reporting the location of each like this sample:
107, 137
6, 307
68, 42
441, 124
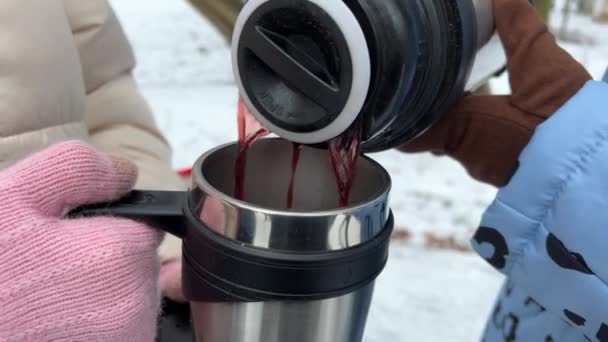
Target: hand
487, 133
73, 279
170, 279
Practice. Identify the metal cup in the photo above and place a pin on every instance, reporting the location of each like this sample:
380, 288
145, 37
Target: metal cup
316, 226
255, 271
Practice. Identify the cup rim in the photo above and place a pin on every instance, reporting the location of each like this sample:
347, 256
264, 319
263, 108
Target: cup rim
199, 181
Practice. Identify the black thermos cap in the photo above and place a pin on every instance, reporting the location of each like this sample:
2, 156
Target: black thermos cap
303, 67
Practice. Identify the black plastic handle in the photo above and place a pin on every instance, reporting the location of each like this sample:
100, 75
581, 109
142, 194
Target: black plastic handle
160, 209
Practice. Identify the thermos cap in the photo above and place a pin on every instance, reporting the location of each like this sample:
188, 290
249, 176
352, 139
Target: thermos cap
302, 66
308, 68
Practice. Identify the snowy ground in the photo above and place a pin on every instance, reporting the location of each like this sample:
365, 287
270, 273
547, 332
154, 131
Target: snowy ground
425, 294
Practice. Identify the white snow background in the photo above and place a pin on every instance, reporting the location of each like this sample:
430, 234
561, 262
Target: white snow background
425, 294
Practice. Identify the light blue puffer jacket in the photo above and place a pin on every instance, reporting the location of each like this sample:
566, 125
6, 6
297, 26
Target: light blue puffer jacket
547, 230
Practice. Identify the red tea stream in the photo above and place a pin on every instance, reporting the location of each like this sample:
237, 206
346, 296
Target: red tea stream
250, 131
344, 153
295, 159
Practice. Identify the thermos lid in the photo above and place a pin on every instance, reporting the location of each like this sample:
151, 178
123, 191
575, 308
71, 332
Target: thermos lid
302, 66
308, 68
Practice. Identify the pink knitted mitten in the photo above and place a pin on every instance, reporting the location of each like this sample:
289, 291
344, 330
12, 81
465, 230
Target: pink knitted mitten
73, 279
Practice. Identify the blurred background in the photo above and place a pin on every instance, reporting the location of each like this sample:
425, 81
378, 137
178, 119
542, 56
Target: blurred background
434, 287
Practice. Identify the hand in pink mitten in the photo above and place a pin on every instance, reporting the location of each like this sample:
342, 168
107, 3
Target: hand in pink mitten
73, 279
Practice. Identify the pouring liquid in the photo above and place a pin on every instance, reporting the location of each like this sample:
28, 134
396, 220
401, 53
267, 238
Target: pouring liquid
250, 131
295, 159
344, 152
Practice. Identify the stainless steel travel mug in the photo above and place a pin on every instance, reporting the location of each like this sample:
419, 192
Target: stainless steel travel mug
255, 271
301, 275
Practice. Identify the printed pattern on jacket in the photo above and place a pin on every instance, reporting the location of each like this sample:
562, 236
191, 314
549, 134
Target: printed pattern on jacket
547, 230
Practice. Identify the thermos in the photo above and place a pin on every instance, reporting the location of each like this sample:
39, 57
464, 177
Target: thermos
308, 69
255, 271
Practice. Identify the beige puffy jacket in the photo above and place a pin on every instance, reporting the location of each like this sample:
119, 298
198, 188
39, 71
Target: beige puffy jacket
66, 73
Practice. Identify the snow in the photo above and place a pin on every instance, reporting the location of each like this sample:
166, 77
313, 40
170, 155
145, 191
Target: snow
425, 294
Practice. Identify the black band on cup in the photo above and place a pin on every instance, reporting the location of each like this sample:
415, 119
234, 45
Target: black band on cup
216, 269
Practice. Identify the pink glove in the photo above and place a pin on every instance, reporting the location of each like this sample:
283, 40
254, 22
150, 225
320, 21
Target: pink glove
79, 279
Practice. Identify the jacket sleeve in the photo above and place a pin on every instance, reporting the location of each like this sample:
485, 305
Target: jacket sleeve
41, 91
547, 229
117, 116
